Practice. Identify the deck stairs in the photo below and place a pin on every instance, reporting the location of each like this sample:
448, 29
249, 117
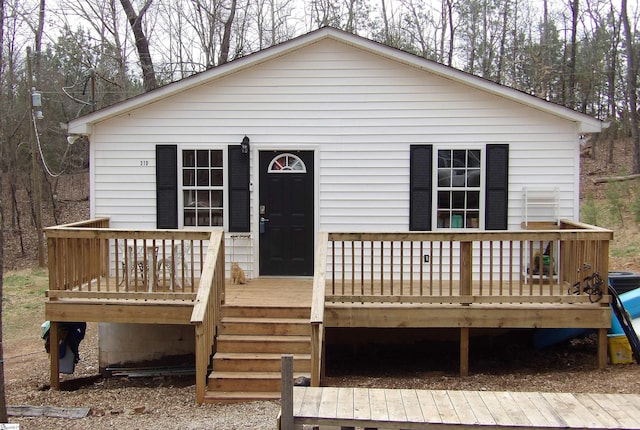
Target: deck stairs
251, 340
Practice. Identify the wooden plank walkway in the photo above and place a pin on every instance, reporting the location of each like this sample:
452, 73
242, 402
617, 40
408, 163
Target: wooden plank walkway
440, 409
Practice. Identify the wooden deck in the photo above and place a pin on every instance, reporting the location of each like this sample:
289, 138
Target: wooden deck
270, 292
419, 409
462, 280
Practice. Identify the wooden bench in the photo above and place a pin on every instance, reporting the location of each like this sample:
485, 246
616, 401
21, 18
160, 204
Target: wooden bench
420, 409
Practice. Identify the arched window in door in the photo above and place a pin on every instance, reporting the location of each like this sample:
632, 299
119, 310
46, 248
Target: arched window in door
287, 163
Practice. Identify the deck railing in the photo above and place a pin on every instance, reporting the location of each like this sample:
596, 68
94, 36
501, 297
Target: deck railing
465, 268
206, 311
89, 259
317, 308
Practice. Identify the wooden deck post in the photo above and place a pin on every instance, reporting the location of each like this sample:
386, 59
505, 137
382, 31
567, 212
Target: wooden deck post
202, 361
466, 268
54, 358
286, 399
602, 348
464, 351
466, 289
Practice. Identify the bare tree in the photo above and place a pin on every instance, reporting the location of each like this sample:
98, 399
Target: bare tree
352, 12
273, 21
574, 5
632, 87
506, 8
613, 22
104, 20
226, 36
142, 43
324, 13
418, 20
452, 29
385, 20
36, 193
38, 44
3, 398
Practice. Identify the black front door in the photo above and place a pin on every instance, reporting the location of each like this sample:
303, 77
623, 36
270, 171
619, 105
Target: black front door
286, 213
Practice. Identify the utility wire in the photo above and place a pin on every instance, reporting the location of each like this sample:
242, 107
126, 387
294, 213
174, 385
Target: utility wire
77, 100
44, 163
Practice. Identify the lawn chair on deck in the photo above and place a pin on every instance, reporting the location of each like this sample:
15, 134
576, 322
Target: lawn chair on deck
174, 268
132, 263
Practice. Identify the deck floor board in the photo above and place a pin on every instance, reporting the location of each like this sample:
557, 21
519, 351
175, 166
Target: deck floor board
345, 404
413, 409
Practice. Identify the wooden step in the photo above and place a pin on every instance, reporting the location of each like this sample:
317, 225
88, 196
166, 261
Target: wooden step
265, 326
249, 346
239, 396
266, 311
247, 381
264, 344
252, 362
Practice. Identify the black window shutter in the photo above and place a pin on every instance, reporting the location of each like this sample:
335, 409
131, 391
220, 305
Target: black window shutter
497, 180
238, 190
167, 186
420, 184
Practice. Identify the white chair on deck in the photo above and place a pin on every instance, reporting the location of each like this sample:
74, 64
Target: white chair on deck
131, 260
176, 266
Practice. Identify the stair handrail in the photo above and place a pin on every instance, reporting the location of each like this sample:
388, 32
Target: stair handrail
206, 311
317, 308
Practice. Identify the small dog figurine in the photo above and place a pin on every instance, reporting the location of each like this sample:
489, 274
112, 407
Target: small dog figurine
237, 274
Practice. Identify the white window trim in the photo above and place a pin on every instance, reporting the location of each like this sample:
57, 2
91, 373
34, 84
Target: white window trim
225, 185
435, 188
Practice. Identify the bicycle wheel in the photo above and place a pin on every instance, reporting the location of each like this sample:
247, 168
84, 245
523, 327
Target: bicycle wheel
595, 288
595, 295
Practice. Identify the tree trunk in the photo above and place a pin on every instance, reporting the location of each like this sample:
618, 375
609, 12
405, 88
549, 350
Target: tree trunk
575, 5
612, 67
385, 20
142, 43
443, 26
632, 88
3, 400
226, 37
503, 42
451, 32
351, 16
119, 53
38, 54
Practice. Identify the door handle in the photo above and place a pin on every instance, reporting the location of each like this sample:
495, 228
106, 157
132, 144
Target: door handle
263, 223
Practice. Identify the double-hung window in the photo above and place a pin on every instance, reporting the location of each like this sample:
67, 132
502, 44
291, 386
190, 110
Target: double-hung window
202, 187
458, 188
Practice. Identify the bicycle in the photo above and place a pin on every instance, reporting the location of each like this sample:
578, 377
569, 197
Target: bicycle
592, 285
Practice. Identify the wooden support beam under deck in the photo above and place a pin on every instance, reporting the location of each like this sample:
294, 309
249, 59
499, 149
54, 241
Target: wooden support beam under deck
602, 347
54, 339
464, 351
137, 312
107, 310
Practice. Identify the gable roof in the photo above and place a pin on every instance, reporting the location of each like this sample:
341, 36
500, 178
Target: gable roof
585, 123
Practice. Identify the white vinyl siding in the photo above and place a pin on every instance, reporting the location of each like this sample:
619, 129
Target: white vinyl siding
358, 111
